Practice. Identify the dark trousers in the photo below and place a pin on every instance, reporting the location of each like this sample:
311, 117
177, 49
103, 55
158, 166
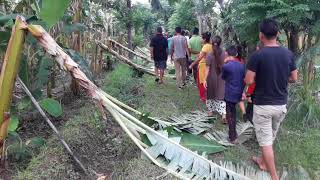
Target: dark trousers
232, 120
249, 112
195, 71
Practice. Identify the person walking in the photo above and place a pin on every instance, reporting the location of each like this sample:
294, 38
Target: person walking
271, 68
179, 47
159, 53
201, 61
214, 83
233, 72
195, 46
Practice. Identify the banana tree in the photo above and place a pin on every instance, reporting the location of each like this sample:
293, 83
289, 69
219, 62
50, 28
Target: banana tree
9, 72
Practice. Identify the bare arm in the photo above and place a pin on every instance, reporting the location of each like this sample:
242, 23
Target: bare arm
187, 48
202, 55
206, 76
172, 51
293, 76
151, 52
250, 77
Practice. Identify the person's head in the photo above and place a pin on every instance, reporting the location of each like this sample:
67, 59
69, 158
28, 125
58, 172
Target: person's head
232, 51
206, 37
159, 30
183, 32
196, 31
178, 30
259, 46
186, 33
269, 30
216, 41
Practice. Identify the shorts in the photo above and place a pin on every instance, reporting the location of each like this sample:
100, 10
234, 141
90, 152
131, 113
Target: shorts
266, 121
160, 65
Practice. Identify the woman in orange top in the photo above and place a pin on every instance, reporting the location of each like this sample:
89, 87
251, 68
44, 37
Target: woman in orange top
206, 49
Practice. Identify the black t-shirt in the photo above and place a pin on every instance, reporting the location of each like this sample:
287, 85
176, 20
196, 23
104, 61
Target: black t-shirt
273, 66
160, 45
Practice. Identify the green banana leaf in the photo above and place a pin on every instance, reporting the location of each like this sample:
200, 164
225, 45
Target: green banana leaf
51, 11
51, 106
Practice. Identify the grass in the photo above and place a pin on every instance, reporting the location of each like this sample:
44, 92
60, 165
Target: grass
292, 148
104, 147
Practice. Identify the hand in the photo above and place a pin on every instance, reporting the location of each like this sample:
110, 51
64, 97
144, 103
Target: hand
205, 85
191, 66
244, 97
249, 100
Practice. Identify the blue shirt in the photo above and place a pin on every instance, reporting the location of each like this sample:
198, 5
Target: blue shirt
233, 72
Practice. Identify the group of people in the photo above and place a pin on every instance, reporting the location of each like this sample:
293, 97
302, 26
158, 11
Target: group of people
225, 80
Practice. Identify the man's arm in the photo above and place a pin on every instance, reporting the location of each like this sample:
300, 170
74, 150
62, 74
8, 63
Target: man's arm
151, 52
187, 48
293, 76
172, 50
250, 77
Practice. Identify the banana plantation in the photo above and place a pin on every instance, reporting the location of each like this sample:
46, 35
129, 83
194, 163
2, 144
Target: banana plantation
78, 97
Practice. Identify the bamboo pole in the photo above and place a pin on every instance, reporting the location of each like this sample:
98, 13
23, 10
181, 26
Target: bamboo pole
55, 130
9, 71
125, 60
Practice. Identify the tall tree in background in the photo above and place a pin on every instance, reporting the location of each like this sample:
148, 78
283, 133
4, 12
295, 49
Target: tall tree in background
129, 25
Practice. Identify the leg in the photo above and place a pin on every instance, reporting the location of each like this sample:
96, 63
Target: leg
178, 71
242, 108
268, 158
210, 106
231, 113
195, 72
262, 119
220, 107
156, 70
162, 69
184, 70
249, 112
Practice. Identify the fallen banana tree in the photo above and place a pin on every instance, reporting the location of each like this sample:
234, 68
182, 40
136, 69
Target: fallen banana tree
131, 51
198, 123
126, 60
188, 164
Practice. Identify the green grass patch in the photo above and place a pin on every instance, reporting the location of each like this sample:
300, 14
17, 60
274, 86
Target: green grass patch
122, 84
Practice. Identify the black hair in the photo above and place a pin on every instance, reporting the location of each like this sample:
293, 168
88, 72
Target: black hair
206, 36
178, 30
240, 51
183, 32
232, 51
216, 43
269, 28
159, 30
196, 31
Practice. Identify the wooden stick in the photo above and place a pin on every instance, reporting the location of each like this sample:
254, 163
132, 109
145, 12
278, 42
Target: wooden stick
55, 130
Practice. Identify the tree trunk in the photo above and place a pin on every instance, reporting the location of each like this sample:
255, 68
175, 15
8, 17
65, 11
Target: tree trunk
200, 23
129, 27
294, 41
75, 88
8, 74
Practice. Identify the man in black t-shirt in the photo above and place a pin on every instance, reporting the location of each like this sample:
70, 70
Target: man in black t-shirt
159, 53
271, 68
